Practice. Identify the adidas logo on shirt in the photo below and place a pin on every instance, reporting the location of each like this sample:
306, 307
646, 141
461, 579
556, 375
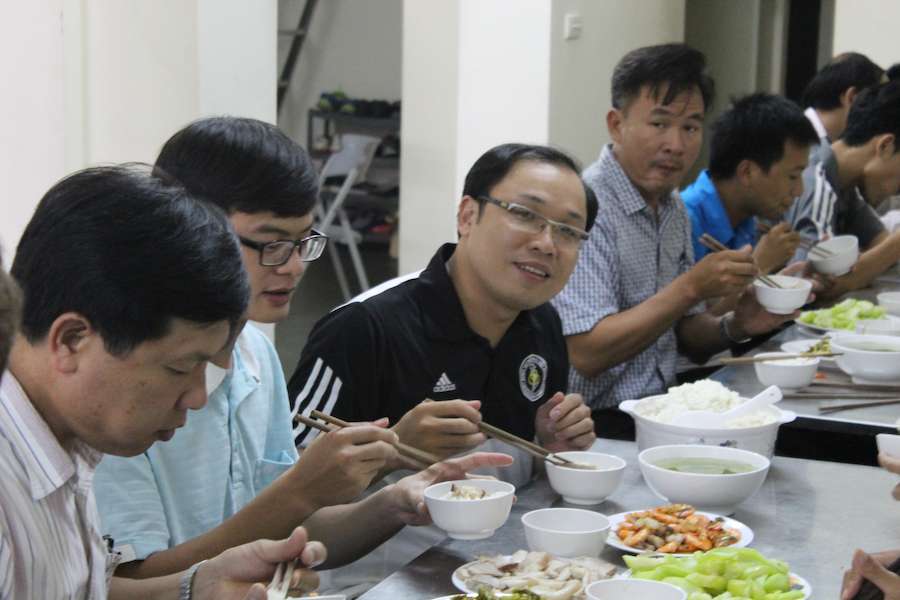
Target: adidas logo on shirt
444, 384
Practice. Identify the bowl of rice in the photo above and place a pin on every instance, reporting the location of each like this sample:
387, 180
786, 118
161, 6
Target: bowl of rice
652, 416
470, 509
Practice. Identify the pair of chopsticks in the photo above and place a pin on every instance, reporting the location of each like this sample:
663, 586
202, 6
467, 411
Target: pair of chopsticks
810, 247
754, 359
871, 387
716, 246
517, 442
837, 407
413, 457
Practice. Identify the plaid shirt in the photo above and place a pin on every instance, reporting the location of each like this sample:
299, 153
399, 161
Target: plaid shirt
630, 257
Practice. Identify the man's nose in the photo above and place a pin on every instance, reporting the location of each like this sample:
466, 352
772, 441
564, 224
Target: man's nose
195, 397
294, 265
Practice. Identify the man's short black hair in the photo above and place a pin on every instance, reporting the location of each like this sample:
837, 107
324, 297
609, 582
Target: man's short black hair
756, 127
130, 252
875, 112
242, 165
9, 316
845, 71
495, 164
673, 68
893, 72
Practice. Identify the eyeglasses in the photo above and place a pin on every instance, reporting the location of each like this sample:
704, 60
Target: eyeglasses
273, 254
528, 221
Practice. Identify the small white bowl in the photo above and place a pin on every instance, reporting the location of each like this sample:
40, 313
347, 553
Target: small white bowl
888, 443
583, 486
566, 532
846, 251
470, 519
868, 366
787, 376
784, 301
877, 327
890, 301
718, 494
633, 589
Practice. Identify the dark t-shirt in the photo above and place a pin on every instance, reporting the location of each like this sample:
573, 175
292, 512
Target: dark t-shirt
408, 340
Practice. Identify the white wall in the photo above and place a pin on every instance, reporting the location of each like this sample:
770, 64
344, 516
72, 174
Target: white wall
31, 111
353, 45
868, 27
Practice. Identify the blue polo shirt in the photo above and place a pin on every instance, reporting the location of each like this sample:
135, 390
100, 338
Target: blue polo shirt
708, 216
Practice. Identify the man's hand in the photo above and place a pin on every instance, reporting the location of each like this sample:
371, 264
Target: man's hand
722, 273
443, 428
750, 318
564, 423
776, 247
408, 494
872, 567
339, 465
231, 574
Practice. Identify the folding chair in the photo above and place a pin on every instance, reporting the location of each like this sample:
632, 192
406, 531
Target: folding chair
352, 163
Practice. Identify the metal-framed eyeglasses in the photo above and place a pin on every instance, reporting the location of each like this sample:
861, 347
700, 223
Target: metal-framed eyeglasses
528, 221
278, 252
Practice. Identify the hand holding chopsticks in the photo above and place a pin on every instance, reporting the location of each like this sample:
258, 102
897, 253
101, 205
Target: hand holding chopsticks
715, 245
811, 247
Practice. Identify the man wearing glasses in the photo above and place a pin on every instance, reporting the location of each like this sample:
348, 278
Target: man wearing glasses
474, 331
233, 474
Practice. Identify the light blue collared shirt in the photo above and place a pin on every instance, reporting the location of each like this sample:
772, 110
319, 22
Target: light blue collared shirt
225, 455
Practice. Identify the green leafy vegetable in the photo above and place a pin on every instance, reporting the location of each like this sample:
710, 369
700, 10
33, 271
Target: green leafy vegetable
843, 315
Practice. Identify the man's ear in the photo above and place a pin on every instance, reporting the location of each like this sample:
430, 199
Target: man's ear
885, 145
745, 171
69, 336
614, 121
467, 215
849, 97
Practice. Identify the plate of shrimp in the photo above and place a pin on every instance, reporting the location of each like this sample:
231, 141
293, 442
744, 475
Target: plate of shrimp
675, 529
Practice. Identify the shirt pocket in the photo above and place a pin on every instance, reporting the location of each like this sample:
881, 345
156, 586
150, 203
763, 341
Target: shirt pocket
267, 471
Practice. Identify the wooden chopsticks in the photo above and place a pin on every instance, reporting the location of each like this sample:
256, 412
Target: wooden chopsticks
837, 407
517, 442
839, 396
871, 387
413, 458
754, 359
809, 246
716, 246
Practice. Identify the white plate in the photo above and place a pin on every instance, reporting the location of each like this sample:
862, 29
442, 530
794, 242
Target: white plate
801, 346
461, 585
821, 331
798, 584
614, 541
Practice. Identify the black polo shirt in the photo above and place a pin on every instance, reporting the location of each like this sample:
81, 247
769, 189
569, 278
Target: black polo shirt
408, 339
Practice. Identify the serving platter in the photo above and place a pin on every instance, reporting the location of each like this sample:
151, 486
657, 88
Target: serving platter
614, 541
823, 331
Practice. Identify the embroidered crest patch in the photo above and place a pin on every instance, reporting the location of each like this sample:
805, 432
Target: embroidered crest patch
533, 376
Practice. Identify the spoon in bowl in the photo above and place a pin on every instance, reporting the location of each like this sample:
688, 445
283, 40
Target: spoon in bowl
704, 419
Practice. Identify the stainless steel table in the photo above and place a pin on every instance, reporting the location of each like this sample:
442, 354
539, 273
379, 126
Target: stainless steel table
811, 513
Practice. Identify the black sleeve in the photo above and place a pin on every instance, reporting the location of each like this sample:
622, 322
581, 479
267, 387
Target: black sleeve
338, 370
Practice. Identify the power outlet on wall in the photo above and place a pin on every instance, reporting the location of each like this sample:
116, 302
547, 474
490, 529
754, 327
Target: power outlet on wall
573, 26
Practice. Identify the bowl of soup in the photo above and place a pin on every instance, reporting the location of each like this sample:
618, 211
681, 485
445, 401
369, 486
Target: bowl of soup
715, 479
591, 478
868, 358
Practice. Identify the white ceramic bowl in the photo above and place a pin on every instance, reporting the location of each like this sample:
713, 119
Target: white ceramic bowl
583, 486
877, 327
888, 443
846, 250
867, 366
633, 589
470, 519
891, 301
718, 494
788, 377
784, 300
759, 439
566, 532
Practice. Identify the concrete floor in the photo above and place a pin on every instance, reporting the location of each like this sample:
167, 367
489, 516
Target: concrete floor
319, 292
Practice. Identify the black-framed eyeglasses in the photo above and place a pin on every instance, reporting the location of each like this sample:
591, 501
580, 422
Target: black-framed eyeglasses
278, 252
526, 220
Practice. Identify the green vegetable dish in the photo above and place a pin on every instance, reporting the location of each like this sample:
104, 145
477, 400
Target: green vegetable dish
843, 315
720, 574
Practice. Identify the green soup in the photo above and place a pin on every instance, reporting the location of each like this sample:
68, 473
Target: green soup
873, 347
704, 466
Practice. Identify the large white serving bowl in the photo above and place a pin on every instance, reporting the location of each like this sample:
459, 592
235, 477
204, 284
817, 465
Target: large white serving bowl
784, 300
718, 494
470, 519
888, 443
566, 532
649, 433
846, 251
789, 377
586, 486
890, 301
877, 327
633, 589
867, 366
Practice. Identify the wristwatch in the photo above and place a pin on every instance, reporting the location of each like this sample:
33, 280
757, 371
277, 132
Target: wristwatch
184, 590
723, 325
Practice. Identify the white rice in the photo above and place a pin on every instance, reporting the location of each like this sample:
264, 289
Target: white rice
701, 395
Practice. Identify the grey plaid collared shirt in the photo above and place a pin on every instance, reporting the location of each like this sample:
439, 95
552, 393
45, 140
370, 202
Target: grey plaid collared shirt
629, 258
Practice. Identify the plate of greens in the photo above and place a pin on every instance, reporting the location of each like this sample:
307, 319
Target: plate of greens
842, 316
